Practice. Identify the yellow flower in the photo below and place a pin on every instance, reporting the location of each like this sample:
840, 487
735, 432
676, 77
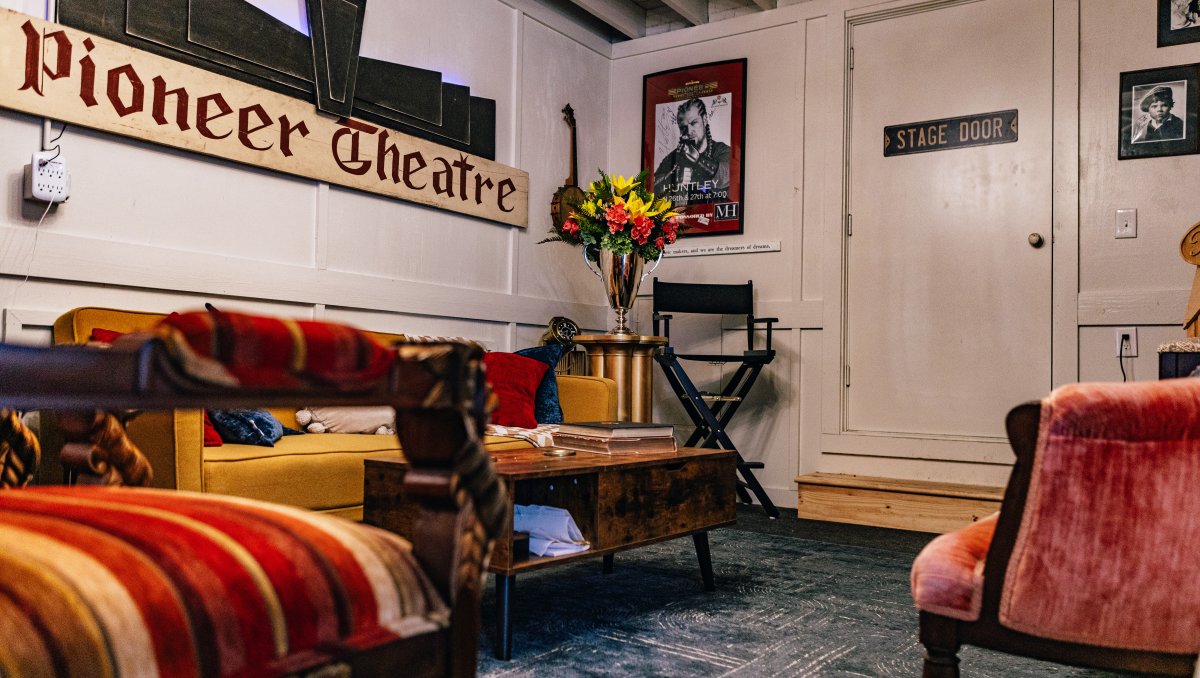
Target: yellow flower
661, 205
589, 208
621, 185
636, 207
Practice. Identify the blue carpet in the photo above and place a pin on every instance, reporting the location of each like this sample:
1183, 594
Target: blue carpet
784, 606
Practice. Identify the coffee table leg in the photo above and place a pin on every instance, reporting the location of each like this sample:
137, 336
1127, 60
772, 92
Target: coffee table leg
608, 564
504, 587
705, 558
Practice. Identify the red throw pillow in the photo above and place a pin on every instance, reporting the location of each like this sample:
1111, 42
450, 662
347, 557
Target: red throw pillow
105, 336
211, 437
515, 381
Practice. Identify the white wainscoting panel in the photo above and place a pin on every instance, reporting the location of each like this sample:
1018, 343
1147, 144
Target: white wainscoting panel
139, 193
31, 327
556, 71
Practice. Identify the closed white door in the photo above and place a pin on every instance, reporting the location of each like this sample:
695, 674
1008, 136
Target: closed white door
947, 302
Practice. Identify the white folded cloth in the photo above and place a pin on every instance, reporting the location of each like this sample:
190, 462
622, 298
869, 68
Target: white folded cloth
552, 531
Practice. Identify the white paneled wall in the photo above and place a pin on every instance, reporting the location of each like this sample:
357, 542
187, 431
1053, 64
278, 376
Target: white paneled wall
1142, 281
558, 71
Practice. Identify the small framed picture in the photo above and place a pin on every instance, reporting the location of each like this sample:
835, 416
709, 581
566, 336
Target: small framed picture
1159, 112
1178, 22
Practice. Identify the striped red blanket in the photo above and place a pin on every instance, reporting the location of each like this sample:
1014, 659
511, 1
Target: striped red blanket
125, 582
237, 348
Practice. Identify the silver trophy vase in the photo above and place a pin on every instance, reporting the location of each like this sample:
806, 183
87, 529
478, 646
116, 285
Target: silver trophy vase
622, 276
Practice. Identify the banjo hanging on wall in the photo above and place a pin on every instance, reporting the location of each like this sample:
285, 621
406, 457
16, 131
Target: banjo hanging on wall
569, 195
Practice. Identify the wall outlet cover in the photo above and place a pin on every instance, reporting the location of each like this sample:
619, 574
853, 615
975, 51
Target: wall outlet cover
1130, 350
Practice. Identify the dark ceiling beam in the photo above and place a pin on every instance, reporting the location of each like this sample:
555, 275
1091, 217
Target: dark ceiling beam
766, 4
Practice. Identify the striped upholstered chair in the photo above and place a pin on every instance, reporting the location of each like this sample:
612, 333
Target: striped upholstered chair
121, 581
1094, 557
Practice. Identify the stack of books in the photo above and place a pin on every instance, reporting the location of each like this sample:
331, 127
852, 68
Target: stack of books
616, 437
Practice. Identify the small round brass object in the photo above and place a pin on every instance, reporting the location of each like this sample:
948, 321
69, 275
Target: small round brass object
1036, 240
1189, 247
559, 452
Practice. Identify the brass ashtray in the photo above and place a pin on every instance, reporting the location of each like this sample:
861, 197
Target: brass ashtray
558, 452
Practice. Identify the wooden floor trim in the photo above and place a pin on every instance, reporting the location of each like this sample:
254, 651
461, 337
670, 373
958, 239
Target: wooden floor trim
924, 506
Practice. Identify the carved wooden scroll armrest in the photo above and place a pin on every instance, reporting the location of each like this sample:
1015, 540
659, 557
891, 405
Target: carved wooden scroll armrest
20, 451
98, 452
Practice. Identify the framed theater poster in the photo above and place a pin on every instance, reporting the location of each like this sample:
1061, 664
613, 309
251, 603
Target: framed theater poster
1178, 22
1160, 108
693, 133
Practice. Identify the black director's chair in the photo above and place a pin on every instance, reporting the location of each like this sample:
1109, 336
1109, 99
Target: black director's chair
711, 412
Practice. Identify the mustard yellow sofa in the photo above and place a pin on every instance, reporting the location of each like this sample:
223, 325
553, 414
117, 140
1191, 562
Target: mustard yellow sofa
321, 472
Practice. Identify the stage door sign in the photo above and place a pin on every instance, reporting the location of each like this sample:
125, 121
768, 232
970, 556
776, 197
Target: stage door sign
982, 129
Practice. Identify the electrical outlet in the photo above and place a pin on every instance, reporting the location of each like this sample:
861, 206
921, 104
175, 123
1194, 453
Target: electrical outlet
1126, 223
46, 178
1123, 335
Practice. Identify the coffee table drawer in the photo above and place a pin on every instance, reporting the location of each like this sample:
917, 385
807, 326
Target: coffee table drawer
647, 503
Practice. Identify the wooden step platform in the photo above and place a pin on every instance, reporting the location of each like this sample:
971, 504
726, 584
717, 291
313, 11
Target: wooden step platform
924, 506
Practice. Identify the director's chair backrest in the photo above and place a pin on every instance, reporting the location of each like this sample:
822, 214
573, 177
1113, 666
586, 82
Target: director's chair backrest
703, 298
714, 299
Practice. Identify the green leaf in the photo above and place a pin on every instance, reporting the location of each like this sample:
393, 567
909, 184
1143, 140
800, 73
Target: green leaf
617, 243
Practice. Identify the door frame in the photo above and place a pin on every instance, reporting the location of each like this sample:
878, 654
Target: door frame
1064, 241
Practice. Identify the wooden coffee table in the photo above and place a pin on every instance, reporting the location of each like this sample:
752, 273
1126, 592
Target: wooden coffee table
619, 502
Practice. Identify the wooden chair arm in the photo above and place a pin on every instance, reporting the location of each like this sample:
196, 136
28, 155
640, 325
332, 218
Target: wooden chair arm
1022, 427
666, 325
751, 321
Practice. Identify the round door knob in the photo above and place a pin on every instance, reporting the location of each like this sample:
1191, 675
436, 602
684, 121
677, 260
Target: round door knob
1036, 240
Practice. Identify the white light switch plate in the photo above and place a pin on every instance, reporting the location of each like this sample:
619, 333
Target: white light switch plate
1126, 223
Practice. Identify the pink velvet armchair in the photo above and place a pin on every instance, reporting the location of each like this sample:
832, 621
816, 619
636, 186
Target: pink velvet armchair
1094, 558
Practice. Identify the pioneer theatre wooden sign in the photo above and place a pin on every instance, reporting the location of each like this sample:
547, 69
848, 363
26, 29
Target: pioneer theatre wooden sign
62, 73
939, 135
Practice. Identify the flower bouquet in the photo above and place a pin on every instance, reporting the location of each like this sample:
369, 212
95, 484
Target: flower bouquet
620, 216
621, 227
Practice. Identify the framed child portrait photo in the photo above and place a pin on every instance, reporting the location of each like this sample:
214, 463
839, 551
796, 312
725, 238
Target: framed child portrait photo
1159, 112
693, 133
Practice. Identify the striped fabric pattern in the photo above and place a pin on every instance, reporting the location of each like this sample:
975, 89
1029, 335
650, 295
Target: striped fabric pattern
542, 436
102, 581
251, 350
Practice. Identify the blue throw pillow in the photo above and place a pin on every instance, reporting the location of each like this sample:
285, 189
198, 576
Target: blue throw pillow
247, 427
546, 408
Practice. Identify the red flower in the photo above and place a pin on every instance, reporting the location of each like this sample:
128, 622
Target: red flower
658, 242
570, 226
617, 217
671, 229
642, 225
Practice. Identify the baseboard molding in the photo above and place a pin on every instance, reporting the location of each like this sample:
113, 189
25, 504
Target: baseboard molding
922, 506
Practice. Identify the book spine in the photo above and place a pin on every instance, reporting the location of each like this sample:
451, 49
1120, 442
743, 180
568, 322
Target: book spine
626, 446
616, 433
